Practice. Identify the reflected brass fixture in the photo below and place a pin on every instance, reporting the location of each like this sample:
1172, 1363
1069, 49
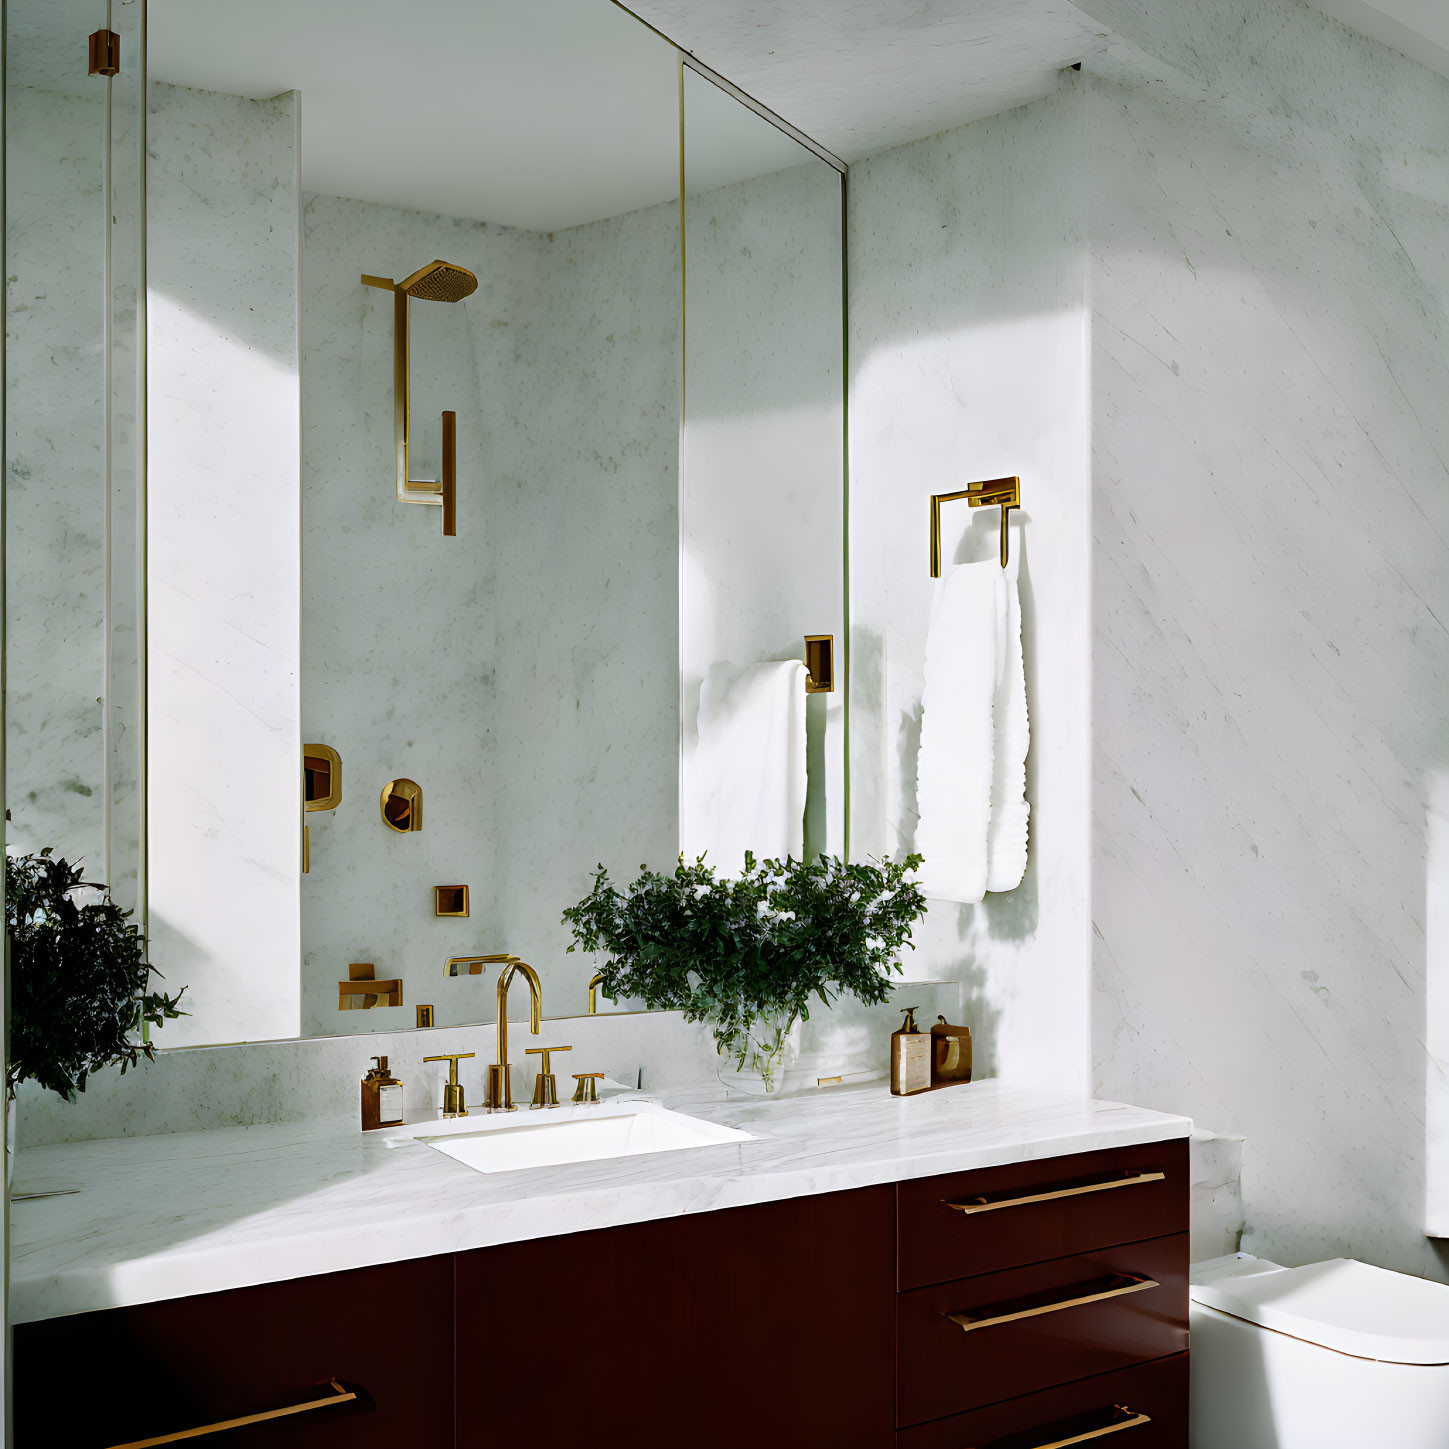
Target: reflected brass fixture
819, 663
105, 53
425, 1017
450, 900
545, 1086
1003, 493
498, 1094
339, 1395
453, 1103
439, 281
473, 965
321, 777
594, 982
588, 1086
402, 805
351, 995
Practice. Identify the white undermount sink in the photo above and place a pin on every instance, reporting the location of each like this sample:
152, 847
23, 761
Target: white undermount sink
556, 1135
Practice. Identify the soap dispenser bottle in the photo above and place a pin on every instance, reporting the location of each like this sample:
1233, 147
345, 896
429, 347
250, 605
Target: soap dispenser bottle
910, 1057
382, 1097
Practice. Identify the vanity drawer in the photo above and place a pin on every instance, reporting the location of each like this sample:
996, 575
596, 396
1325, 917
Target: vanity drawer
1002, 1217
1026, 1329
1137, 1408
385, 1333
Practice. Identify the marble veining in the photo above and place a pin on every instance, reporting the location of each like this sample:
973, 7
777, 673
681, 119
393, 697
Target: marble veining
204, 1212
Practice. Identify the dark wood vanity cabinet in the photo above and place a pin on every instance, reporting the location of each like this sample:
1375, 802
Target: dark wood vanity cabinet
133, 1375
1016, 1307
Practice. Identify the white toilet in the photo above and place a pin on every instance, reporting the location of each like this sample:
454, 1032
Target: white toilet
1335, 1355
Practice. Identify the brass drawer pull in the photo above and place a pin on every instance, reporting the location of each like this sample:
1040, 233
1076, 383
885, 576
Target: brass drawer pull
1133, 1421
1119, 1285
341, 1396
988, 1202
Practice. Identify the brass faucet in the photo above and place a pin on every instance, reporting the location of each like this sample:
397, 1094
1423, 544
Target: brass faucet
594, 993
498, 1093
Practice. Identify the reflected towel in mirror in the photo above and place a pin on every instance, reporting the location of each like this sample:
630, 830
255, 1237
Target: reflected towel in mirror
748, 779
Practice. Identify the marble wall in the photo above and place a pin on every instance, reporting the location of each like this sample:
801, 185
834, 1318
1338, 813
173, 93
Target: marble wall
968, 335
1269, 278
55, 541
762, 538
223, 556
523, 673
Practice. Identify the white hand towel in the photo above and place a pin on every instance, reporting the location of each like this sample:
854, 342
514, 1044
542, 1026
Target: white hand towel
1006, 840
954, 768
971, 771
750, 766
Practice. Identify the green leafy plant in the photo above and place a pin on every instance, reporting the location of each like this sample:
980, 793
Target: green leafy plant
78, 978
747, 954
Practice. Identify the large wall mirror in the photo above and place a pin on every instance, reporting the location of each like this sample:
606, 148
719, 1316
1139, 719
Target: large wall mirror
446, 582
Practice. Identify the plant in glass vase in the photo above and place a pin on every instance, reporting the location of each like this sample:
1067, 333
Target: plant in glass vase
745, 954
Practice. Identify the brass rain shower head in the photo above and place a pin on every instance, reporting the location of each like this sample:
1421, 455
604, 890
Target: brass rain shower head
439, 281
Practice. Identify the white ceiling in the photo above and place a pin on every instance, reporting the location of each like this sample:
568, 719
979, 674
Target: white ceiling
862, 75
532, 113
1419, 28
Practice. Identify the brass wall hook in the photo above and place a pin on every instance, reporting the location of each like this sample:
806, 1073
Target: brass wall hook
439, 281
1003, 493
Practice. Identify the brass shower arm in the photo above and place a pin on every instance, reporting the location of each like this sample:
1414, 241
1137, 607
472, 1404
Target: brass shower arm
413, 490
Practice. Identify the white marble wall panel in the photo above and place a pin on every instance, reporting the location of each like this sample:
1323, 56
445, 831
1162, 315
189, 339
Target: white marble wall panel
587, 517
762, 537
56, 480
968, 359
399, 623
223, 714
1270, 203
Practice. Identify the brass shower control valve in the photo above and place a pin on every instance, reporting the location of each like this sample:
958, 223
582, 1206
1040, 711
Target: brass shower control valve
545, 1088
588, 1086
453, 1090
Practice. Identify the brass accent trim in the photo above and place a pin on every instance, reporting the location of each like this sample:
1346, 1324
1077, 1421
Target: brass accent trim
105, 53
989, 1202
1013, 1310
322, 774
425, 1017
401, 804
450, 900
588, 1086
545, 1085
1134, 1421
1003, 493
819, 663
450, 475
498, 1091
475, 964
339, 1395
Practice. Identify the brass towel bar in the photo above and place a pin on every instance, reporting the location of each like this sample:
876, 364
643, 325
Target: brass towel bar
338, 1396
1003, 493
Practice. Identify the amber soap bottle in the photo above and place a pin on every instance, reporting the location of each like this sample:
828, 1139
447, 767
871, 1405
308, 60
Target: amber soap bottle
910, 1057
382, 1097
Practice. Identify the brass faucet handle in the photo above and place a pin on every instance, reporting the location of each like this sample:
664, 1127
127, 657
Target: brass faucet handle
454, 1104
545, 1086
588, 1086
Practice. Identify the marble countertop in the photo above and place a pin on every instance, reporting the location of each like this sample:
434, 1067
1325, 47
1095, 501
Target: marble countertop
199, 1212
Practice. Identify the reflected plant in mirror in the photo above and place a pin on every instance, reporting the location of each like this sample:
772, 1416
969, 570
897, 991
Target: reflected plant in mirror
746, 954
79, 997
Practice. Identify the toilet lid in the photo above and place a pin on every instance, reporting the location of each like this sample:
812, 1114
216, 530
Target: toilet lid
1344, 1305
